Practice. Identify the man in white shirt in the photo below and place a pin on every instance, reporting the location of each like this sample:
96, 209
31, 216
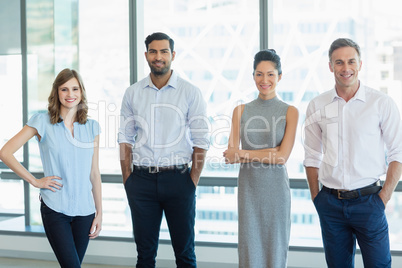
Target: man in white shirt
164, 127
346, 129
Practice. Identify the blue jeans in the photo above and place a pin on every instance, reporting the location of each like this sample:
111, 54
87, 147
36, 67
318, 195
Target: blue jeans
149, 196
343, 221
68, 236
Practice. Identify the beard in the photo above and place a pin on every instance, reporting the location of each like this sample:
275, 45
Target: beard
158, 71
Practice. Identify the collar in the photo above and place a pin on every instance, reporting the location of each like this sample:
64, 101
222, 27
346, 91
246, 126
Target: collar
172, 82
360, 94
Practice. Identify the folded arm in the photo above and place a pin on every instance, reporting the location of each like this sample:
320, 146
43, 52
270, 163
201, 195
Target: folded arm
277, 155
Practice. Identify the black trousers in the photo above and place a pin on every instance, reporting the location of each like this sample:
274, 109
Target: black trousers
67, 235
150, 195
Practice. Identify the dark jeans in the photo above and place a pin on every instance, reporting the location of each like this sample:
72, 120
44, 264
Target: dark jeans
343, 221
149, 195
67, 235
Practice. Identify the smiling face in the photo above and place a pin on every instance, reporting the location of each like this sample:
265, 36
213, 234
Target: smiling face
345, 64
266, 78
69, 94
159, 57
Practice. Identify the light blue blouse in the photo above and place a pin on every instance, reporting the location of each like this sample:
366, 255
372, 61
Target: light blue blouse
70, 158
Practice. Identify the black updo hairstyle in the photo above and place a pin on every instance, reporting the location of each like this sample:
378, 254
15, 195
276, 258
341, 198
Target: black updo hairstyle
268, 55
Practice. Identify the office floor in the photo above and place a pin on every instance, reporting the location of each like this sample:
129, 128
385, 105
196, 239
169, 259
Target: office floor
23, 263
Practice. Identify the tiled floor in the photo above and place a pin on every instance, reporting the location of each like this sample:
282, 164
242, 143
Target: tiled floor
24, 263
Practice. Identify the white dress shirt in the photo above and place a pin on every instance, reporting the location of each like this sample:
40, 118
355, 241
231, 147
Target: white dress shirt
163, 125
345, 140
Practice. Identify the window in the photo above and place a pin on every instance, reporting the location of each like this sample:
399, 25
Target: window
10, 72
216, 54
384, 75
222, 50
286, 96
303, 44
93, 38
104, 65
11, 104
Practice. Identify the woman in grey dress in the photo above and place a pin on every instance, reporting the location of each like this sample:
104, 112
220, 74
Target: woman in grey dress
262, 137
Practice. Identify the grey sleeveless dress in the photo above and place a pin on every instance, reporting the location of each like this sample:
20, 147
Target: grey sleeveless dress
263, 193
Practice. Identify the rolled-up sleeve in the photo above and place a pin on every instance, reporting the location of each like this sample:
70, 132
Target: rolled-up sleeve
391, 127
127, 124
313, 137
198, 122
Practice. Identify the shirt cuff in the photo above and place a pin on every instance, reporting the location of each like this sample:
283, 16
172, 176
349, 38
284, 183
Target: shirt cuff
312, 163
121, 138
202, 146
394, 158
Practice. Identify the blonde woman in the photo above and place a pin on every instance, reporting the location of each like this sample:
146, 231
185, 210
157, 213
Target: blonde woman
70, 192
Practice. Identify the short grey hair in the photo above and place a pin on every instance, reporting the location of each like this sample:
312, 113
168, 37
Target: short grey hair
343, 42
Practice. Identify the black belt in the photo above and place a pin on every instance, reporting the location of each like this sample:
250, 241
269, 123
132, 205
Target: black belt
345, 194
157, 169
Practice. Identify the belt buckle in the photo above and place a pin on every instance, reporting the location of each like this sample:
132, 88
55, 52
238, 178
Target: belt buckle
153, 169
339, 194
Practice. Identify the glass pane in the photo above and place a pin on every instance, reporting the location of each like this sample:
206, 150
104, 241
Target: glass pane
216, 217
11, 202
305, 228
11, 196
10, 27
215, 54
98, 32
65, 34
116, 212
303, 44
10, 72
41, 59
40, 41
11, 103
35, 217
104, 66
394, 216
52, 43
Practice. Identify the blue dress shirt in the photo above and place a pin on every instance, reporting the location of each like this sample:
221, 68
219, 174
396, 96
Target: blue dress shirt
163, 125
69, 158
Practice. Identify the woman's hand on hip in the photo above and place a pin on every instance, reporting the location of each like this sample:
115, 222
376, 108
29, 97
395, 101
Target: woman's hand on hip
51, 183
